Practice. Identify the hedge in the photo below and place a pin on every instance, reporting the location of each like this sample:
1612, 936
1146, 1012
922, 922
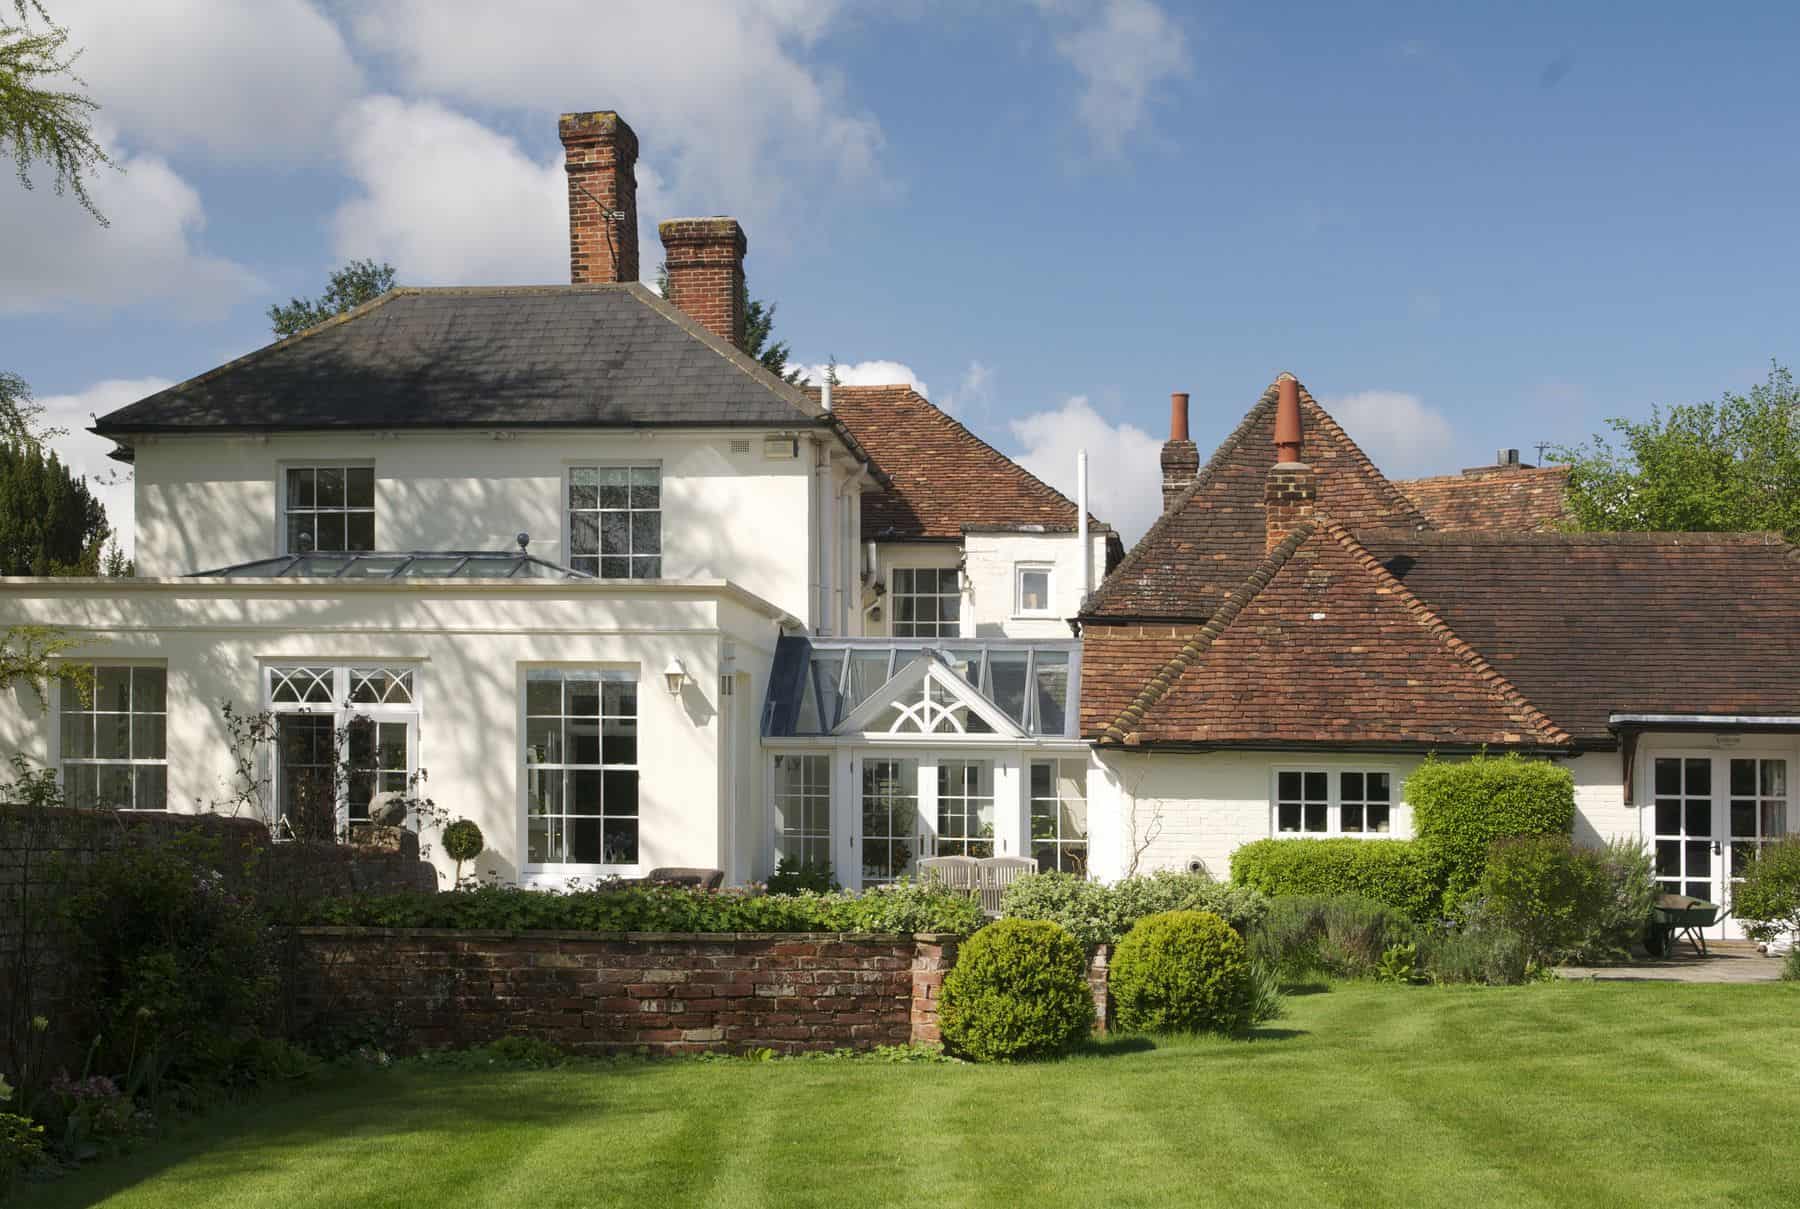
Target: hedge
1460, 809
1405, 875
1097, 913
901, 909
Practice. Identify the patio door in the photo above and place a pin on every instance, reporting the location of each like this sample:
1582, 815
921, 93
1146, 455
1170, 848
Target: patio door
890, 833
1710, 817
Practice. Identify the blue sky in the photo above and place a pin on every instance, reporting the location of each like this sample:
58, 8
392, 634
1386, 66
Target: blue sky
1462, 229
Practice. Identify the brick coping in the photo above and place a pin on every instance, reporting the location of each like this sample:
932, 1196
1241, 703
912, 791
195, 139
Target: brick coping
348, 931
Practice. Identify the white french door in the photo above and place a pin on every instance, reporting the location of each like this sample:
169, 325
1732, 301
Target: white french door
1710, 815
904, 806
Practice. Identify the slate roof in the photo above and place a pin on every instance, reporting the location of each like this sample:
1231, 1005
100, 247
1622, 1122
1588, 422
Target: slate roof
1525, 498
1204, 546
1591, 624
1320, 645
526, 356
944, 480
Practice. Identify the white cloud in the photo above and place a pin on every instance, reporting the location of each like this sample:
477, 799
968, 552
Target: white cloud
1399, 432
1124, 467
56, 255
250, 78
448, 200
975, 390
717, 90
85, 454
1123, 52
867, 373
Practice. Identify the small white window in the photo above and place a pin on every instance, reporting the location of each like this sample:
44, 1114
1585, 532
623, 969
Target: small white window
803, 809
329, 508
615, 521
927, 602
114, 740
1323, 801
1031, 590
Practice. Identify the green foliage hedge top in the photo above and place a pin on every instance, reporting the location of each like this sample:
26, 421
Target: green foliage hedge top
901, 909
1768, 899
1460, 808
1403, 875
1019, 990
1182, 971
1097, 913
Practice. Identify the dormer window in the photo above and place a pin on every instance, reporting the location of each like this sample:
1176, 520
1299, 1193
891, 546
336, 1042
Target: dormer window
1031, 590
615, 521
328, 508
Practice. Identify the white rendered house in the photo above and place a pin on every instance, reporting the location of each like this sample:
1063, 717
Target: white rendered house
549, 544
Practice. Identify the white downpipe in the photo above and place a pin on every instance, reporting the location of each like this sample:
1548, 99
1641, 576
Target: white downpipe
1081, 524
821, 491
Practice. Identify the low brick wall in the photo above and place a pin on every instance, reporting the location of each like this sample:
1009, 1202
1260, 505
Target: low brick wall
589, 992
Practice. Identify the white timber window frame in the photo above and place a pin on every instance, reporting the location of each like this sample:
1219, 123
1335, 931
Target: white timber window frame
925, 602
579, 772
612, 516
112, 745
333, 500
1059, 822
1358, 801
1025, 592
800, 799
365, 712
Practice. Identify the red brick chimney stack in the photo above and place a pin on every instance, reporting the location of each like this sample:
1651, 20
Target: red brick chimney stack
705, 259
1180, 459
600, 155
1291, 492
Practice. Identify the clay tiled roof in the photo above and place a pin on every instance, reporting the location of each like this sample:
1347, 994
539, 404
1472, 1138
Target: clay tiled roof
1521, 498
1586, 625
1213, 537
1117, 661
1321, 645
944, 478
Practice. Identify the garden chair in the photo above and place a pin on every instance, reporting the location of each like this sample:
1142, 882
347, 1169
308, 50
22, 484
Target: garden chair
951, 872
999, 872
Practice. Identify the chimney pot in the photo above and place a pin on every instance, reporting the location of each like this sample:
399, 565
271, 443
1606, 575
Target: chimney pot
600, 157
1507, 457
1180, 460
705, 260
1287, 419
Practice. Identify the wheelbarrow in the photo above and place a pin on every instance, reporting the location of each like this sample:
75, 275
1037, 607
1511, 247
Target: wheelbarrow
1677, 917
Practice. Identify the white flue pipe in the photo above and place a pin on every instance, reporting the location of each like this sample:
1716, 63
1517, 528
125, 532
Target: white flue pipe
1081, 524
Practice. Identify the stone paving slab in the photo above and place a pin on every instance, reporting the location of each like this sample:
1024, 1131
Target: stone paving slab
1721, 964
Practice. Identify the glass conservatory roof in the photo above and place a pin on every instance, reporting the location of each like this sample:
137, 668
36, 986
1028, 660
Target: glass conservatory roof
881, 686
416, 564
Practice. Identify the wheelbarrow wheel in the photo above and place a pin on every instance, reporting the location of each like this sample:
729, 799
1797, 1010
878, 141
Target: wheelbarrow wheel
1659, 940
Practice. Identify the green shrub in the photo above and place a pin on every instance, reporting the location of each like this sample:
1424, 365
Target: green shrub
1343, 935
1097, 913
1460, 808
21, 1146
1019, 990
1404, 875
178, 971
1768, 899
1624, 908
1183, 972
462, 842
801, 877
1475, 949
1790, 966
902, 908
527, 1051
1546, 890
1400, 963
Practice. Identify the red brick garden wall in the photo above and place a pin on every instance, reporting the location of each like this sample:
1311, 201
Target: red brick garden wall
591, 992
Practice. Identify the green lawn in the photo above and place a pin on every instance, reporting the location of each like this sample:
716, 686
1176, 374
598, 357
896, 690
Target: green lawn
1610, 1094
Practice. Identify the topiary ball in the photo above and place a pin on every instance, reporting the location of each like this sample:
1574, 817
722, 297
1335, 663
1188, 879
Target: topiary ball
463, 840
1019, 990
1181, 972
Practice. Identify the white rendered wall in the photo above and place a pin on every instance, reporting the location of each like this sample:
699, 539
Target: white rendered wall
471, 645
990, 565
208, 502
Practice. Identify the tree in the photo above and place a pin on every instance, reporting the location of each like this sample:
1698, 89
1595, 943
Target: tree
49, 524
42, 123
1731, 465
358, 282
20, 415
759, 328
